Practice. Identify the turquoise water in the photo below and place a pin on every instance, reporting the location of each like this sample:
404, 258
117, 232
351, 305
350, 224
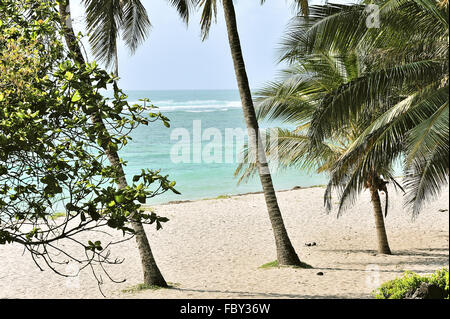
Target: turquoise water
151, 146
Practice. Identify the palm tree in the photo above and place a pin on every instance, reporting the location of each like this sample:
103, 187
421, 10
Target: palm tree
105, 18
293, 100
286, 254
408, 59
134, 25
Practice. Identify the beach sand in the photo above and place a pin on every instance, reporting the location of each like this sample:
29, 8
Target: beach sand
214, 248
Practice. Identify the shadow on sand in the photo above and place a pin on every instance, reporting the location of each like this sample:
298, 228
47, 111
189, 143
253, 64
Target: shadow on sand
246, 294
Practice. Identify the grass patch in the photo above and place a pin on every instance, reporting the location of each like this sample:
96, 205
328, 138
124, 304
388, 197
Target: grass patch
272, 264
275, 264
58, 215
223, 197
143, 287
318, 186
218, 197
148, 208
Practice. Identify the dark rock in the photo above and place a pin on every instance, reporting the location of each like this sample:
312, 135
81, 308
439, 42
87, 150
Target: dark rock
296, 187
427, 291
319, 273
311, 244
443, 210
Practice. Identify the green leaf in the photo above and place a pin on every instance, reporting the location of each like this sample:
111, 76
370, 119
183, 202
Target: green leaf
76, 97
62, 177
119, 198
142, 199
68, 76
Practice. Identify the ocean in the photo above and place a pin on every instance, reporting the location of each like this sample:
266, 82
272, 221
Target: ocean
205, 171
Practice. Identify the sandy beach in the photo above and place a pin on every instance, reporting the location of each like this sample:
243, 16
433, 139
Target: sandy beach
214, 248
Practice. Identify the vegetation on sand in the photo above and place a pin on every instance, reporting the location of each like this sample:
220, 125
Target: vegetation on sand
409, 282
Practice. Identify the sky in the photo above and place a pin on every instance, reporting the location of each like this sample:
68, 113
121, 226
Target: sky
175, 58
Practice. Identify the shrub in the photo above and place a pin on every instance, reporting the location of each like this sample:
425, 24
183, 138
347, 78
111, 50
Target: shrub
400, 287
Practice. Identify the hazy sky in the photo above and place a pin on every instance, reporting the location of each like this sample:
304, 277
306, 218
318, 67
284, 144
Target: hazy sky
174, 57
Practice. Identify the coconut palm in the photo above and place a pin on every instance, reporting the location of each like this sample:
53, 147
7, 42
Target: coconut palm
113, 16
408, 59
294, 100
286, 254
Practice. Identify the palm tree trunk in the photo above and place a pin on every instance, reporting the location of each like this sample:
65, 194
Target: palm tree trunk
152, 274
383, 244
285, 251
116, 63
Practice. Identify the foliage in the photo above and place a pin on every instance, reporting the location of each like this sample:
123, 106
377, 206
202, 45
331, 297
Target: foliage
52, 154
294, 99
405, 69
364, 98
58, 215
398, 288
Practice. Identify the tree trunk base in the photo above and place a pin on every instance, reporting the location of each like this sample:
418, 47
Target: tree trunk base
290, 260
156, 282
383, 244
384, 252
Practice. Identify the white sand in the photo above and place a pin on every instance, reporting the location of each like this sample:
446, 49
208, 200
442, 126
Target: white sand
213, 248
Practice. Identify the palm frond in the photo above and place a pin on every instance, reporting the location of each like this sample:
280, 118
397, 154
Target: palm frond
348, 102
289, 149
103, 19
286, 101
209, 14
426, 160
432, 131
425, 178
184, 7
136, 24
389, 131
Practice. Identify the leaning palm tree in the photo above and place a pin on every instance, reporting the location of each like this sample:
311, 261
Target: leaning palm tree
106, 18
293, 100
286, 254
409, 72
129, 16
